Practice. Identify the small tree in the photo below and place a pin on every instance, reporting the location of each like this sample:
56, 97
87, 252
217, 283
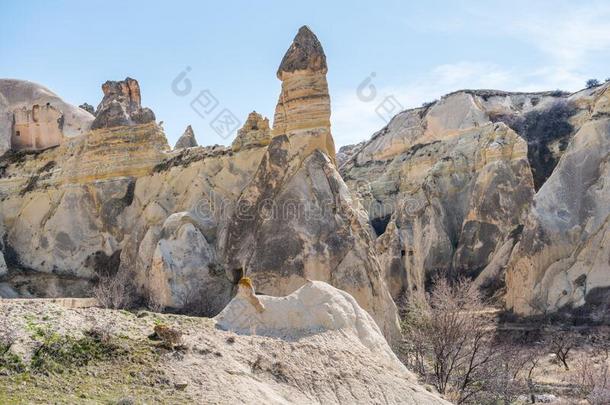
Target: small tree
560, 343
448, 339
592, 83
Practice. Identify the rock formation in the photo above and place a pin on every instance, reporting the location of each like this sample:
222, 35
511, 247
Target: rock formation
303, 108
187, 140
32, 117
486, 184
563, 259
295, 220
317, 308
448, 187
121, 105
254, 133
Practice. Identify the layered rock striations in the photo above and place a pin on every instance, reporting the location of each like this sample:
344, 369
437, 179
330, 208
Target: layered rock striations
295, 221
303, 108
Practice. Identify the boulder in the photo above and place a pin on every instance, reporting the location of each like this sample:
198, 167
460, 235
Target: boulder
184, 272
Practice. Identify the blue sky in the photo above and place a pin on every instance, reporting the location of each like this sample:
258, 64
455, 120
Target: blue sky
417, 51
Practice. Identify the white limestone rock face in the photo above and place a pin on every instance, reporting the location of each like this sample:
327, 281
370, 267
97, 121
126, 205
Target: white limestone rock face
317, 310
184, 271
21, 93
448, 186
563, 259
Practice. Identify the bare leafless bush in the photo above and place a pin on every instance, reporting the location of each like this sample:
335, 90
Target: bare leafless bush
560, 343
115, 292
592, 380
449, 340
195, 301
509, 379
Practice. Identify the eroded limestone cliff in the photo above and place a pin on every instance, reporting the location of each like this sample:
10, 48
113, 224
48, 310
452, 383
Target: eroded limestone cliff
452, 188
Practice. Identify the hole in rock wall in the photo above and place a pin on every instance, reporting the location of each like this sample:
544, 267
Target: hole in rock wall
380, 224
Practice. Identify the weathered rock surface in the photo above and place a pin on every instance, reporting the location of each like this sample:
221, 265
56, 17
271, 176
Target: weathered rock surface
187, 139
563, 259
295, 220
40, 116
448, 186
343, 363
121, 105
316, 308
184, 272
303, 108
254, 133
3, 268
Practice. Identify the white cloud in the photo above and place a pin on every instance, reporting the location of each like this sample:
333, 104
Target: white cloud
354, 120
567, 33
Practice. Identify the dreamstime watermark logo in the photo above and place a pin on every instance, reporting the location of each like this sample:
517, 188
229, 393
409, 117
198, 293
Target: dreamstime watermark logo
213, 207
387, 108
205, 104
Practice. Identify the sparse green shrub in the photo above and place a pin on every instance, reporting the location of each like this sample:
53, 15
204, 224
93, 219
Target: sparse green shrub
429, 104
58, 352
592, 83
10, 363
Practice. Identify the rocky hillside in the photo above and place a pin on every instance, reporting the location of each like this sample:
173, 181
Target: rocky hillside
184, 225
507, 188
453, 187
106, 356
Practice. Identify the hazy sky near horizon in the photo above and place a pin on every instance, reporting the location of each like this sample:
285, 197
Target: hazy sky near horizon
412, 51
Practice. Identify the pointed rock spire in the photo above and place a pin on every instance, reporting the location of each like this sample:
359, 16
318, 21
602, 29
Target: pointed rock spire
187, 140
303, 109
305, 53
255, 132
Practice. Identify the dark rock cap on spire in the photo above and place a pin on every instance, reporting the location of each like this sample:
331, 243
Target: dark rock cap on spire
305, 53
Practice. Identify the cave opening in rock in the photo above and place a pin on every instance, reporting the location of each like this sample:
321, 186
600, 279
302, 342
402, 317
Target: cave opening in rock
380, 224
